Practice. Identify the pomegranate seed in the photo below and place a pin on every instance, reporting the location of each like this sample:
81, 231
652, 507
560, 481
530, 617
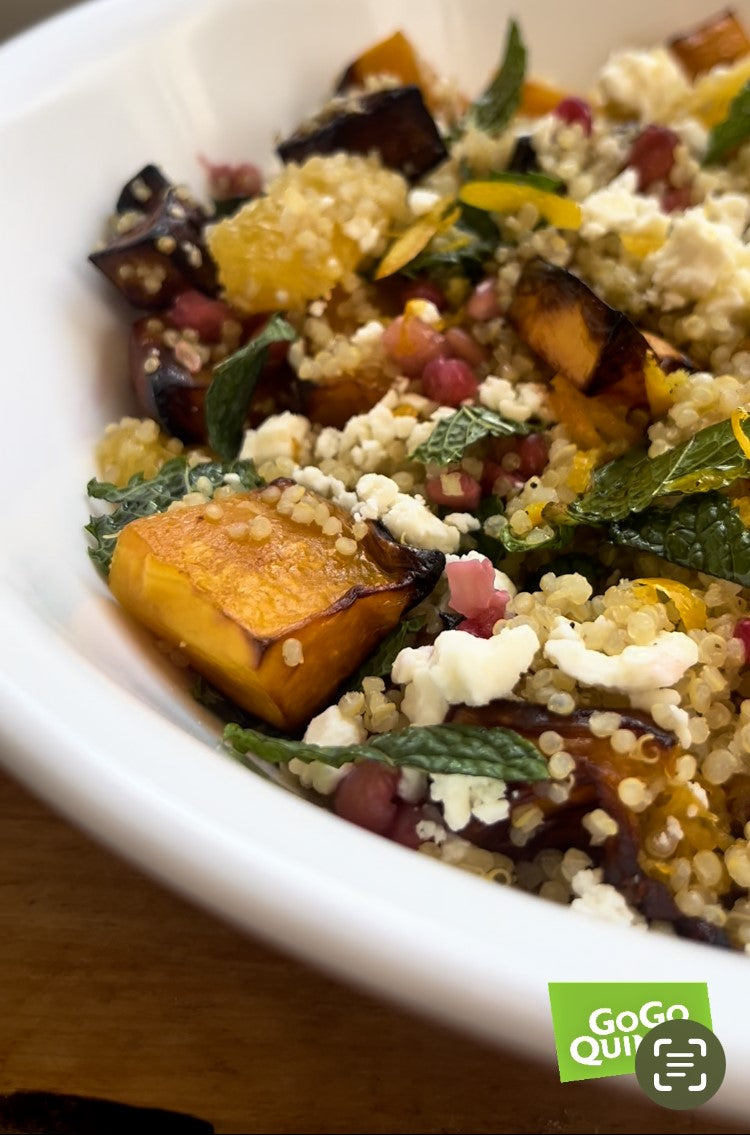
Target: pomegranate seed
471, 584
676, 200
482, 624
412, 344
449, 381
575, 111
742, 632
404, 828
461, 344
424, 290
652, 155
204, 315
226, 181
482, 303
367, 796
466, 496
534, 454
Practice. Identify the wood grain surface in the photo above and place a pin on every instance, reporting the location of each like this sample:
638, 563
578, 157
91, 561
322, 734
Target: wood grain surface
112, 987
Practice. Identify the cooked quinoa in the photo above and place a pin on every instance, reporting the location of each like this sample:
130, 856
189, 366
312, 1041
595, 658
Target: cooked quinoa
594, 632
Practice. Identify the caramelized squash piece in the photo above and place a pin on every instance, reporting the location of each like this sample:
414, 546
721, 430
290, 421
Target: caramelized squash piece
538, 97
334, 402
394, 55
597, 348
275, 618
633, 860
722, 39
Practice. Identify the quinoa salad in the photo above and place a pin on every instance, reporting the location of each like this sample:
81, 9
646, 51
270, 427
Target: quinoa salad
440, 479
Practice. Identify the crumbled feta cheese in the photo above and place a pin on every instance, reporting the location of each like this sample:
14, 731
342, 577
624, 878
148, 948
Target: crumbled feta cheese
368, 334
329, 728
281, 435
463, 521
516, 401
412, 785
420, 201
422, 704
410, 520
602, 899
618, 208
700, 258
660, 663
730, 209
460, 668
650, 83
465, 796
430, 831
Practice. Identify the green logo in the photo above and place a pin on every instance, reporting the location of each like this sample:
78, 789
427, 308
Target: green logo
680, 1064
599, 1026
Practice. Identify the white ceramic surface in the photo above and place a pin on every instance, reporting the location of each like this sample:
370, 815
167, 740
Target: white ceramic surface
90, 716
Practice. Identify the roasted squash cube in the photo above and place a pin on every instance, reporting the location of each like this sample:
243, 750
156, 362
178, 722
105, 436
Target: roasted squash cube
720, 40
597, 348
265, 604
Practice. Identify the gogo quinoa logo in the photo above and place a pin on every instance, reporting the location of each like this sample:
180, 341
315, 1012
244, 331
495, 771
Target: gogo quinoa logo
600, 1026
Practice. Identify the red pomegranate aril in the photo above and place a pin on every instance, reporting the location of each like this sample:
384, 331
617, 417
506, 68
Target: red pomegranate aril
412, 344
533, 452
466, 496
461, 344
404, 827
652, 155
575, 111
482, 303
482, 624
471, 583
676, 200
367, 796
202, 314
227, 181
424, 290
449, 381
742, 632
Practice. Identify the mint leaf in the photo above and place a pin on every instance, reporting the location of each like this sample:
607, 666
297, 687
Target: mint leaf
380, 662
454, 434
232, 385
495, 107
711, 459
467, 749
463, 250
557, 538
703, 532
733, 131
142, 497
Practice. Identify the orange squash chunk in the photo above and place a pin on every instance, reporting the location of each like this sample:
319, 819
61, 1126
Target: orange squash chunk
275, 623
597, 348
722, 39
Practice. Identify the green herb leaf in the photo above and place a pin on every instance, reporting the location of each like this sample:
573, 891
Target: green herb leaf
380, 662
703, 532
467, 749
733, 131
145, 498
463, 250
232, 385
454, 434
711, 459
557, 538
495, 107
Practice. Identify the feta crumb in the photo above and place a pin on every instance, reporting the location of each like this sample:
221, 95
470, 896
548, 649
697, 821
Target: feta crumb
420, 201
431, 832
463, 521
465, 796
516, 401
412, 785
368, 334
281, 435
660, 663
422, 704
650, 83
329, 728
602, 899
619, 208
700, 257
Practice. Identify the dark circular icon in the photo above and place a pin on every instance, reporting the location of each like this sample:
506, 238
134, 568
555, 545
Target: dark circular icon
680, 1064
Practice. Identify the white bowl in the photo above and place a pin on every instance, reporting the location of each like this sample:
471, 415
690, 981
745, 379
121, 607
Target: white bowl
91, 717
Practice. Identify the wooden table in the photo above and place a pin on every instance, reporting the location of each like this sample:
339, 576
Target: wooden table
112, 987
